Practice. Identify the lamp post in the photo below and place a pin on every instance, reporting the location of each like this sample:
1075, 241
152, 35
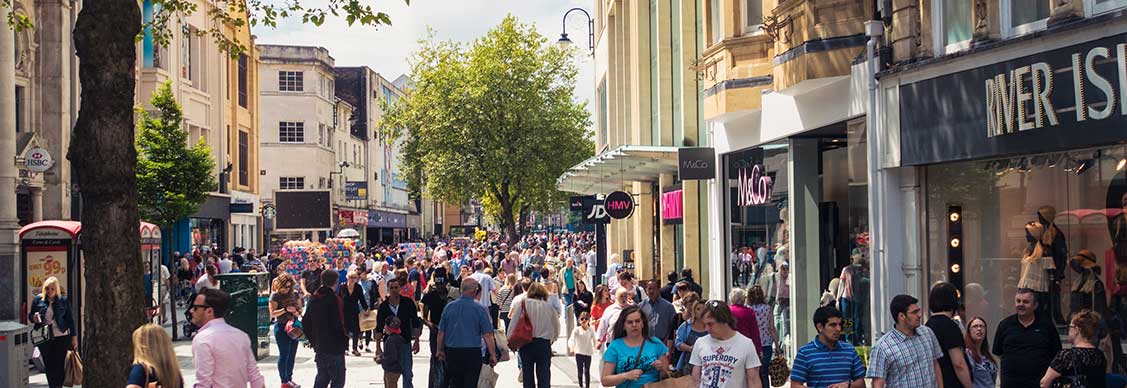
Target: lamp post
566, 42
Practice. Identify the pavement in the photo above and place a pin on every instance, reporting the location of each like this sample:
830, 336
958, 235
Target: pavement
363, 372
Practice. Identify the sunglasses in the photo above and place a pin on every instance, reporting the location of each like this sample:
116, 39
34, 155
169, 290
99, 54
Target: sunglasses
198, 306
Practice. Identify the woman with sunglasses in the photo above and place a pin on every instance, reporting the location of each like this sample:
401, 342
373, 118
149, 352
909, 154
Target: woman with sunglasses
634, 358
285, 306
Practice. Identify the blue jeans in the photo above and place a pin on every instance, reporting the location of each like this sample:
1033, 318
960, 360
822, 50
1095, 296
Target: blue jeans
407, 362
763, 369
287, 352
568, 297
330, 371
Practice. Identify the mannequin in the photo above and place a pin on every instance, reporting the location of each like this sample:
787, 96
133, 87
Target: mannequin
1056, 247
782, 238
1087, 289
1037, 267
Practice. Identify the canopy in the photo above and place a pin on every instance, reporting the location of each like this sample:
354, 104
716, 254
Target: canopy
612, 169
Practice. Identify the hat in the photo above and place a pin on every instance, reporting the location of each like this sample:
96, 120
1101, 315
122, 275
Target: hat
1086, 257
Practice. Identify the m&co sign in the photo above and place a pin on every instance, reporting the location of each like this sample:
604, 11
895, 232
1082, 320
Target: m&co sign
754, 187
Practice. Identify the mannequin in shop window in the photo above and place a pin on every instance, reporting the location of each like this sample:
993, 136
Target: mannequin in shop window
1056, 247
1037, 267
1087, 290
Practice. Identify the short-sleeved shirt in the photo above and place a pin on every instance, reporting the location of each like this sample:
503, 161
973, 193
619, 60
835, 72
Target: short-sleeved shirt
627, 358
282, 301
435, 301
1024, 349
818, 366
724, 363
906, 361
949, 336
464, 321
312, 279
1087, 362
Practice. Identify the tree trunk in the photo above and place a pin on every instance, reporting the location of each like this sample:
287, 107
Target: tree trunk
105, 161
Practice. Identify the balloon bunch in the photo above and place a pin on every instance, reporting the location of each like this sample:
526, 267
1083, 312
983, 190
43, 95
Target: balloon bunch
300, 254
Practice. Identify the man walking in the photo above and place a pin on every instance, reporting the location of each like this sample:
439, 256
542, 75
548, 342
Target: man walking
324, 327
724, 358
661, 314
464, 326
827, 361
486, 283
907, 357
396, 305
942, 300
1026, 342
221, 354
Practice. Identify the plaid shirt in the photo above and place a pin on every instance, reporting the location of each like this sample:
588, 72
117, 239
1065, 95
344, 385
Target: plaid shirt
904, 361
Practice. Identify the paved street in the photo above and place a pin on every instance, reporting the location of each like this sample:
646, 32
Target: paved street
363, 372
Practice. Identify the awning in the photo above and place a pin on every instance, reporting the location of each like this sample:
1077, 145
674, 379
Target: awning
610, 170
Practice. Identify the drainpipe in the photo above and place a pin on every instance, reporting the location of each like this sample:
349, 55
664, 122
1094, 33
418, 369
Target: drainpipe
874, 29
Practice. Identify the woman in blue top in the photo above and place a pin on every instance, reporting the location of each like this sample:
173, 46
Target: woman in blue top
634, 358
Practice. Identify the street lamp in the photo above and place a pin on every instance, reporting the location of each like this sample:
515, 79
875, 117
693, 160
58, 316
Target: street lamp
566, 42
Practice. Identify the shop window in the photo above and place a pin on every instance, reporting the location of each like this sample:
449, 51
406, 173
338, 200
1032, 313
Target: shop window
1101, 6
954, 19
1020, 17
753, 16
291, 81
756, 198
291, 183
1050, 222
291, 132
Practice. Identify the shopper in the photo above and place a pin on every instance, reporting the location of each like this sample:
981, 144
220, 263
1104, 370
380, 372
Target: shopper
222, 355
208, 280
827, 361
154, 360
598, 307
285, 306
942, 301
505, 298
1083, 364
661, 314
395, 344
581, 344
326, 331
746, 324
725, 358
778, 295
52, 309
311, 278
1026, 343
983, 366
353, 301
583, 298
687, 334
623, 298
536, 356
907, 357
757, 302
633, 358
464, 326
403, 308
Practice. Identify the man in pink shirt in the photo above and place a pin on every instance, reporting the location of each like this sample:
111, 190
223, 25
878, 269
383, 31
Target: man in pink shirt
221, 353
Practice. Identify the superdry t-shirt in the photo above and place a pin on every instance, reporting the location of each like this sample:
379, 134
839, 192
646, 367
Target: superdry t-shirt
724, 364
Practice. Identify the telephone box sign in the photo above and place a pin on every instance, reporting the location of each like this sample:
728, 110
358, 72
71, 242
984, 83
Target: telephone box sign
619, 205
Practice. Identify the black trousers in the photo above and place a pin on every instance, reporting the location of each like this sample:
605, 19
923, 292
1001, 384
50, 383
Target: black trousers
463, 367
536, 360
583, 369
54, 353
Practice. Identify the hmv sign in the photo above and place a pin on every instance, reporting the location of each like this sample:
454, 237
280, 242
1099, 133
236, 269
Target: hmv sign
619, 205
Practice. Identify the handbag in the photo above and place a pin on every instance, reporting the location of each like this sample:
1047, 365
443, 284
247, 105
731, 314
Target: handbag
487, 378
522, 333
1075, 380
778, 370
41, 335
294, 330
367, 320
73, 369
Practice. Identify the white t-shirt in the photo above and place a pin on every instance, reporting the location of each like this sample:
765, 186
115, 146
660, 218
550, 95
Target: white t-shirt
225, 265
486, 289
160, 286
724, 364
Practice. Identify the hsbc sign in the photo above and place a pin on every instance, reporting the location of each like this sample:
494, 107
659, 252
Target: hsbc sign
38, 160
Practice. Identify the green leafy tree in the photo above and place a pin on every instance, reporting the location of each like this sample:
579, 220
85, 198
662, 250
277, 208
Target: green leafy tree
104, 157
172, 178
494, 120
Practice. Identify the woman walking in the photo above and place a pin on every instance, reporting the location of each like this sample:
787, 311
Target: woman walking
505, 298
583, 298
757, 302
537, 355
602, 301
983, 366
285, 306
51, 308
634, 358
1083, 362
581, 344
352, 300
690, 331
154, 360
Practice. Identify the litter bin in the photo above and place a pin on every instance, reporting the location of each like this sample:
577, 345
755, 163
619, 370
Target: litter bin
250, 307
15, 351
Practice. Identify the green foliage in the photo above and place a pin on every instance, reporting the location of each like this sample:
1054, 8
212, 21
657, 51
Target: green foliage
16, 21
493, 120
172, 179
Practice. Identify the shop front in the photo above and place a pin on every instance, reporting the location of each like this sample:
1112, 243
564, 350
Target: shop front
204, 231
354, 219
1022, 159
386, 227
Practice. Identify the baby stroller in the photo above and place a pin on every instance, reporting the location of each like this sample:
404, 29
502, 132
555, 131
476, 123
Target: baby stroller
188, 328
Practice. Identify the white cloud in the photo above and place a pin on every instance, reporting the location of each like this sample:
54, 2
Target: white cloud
386, 49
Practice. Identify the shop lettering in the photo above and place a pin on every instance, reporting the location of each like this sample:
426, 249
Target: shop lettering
694, 164
754, 189
618, 205
1008, 98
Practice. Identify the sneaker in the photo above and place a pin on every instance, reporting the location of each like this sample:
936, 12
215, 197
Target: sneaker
294, 385
287, 385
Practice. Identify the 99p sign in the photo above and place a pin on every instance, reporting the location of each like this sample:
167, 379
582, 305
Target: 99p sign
42, 265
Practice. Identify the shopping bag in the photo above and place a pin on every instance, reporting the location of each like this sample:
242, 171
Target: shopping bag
502, 346
294, 329
778, 371
673, 382
522, 333
437, 374
73, 370
488, 378
367, 320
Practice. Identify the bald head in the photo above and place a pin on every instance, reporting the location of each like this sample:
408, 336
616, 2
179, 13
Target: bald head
470, 287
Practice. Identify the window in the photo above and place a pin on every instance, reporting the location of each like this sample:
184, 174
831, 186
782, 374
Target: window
291, 183
243, 80
244, 158
388, 95
194, 47
954, 19
754, 15
1023, 16
601, 98
21, 104
291, 132
716, 29
1101, 6
321, 134
321, 183
291, 81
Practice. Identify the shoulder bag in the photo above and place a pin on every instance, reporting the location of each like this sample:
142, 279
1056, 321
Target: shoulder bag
1074, 380
522, 333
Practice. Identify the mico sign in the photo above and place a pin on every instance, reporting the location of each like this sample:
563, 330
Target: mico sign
619, 205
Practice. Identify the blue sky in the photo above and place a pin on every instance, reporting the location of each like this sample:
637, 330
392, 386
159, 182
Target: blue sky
387, 49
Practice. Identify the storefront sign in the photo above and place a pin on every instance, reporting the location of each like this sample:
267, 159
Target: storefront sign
619, 205
355, 190
594, 211
38, 160
694, 163
1054, 100
360, 217
754, 187
672, 207
576, 202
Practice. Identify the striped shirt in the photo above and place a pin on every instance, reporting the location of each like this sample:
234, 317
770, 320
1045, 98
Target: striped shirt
906, 361
818, 366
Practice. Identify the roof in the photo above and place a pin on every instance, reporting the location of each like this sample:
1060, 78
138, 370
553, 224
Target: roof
610, 170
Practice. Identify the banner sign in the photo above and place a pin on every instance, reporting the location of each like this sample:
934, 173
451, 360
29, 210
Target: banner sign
619, 205
672, 207
696, 163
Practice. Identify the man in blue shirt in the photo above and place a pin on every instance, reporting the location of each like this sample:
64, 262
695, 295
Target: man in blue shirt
464, 325
826, 361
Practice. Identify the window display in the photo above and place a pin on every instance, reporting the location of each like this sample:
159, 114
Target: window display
756, 195
1053, 223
